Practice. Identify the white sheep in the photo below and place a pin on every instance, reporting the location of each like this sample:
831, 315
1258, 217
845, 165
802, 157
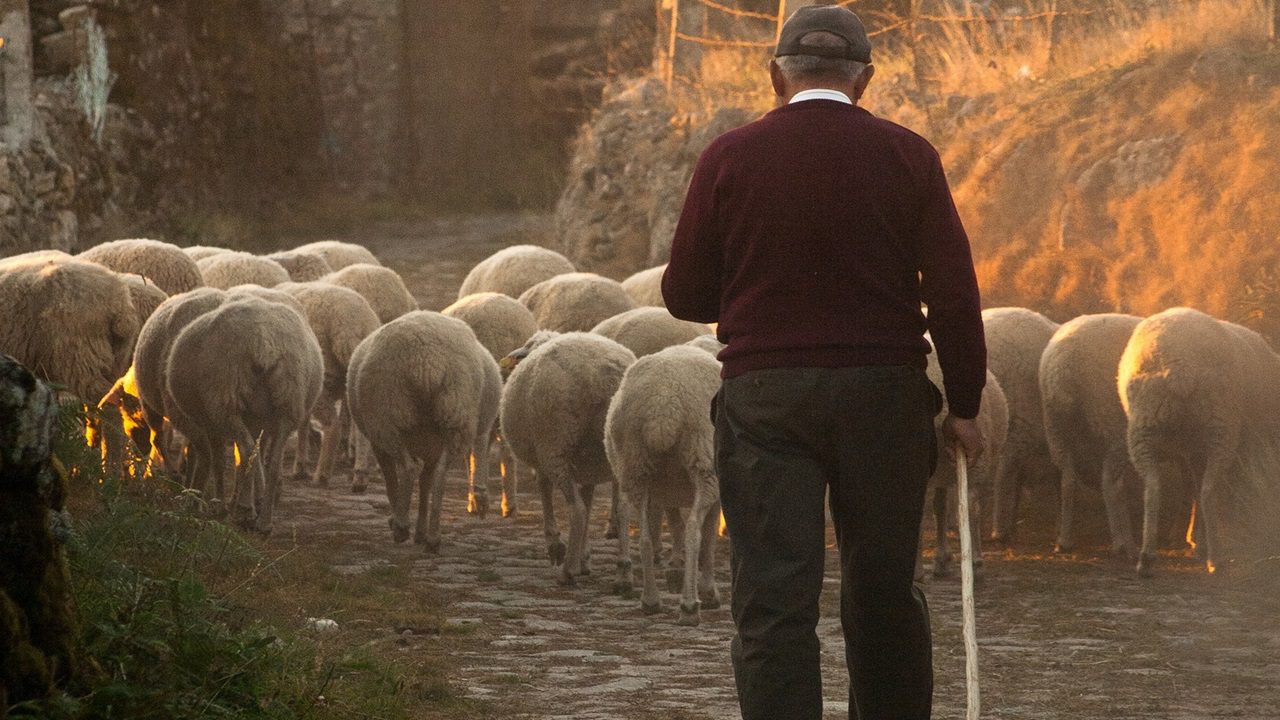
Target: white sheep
659, 440
1016, 337
422, 388
229, 269
248, 372
1199, 395
707, 343
71, 322
341, 319
553, 413
515, 269
382, 287
645, 287
646, 330
575, 302
145, 296
993, 421
302, 266
502, 324
165, 265
200, 252
1085, 422
340, 254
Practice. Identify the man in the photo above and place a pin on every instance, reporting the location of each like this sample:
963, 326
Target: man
812, 236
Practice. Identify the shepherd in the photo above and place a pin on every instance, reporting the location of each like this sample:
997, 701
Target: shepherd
812, 236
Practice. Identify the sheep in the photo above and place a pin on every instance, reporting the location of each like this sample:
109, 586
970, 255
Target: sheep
646, 330
248, 372
150, 359
575, 302
1085, 422
382, 287
1016, 337
645, 287
659, 441
993, 421
165, 265
302, 266
271, 294
73, 323
1198, 393
338, 254
553, 414
144, 296
514, 269
422, 387
200, 252
708, 343
502, 325
226, 270
341, 319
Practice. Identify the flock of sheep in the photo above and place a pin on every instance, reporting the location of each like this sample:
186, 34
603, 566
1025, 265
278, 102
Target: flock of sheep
587, 381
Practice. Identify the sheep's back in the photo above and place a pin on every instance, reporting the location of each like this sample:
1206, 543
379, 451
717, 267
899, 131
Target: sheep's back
645, 287
646, 330
501, 323
575, 302
513, 270
165, 265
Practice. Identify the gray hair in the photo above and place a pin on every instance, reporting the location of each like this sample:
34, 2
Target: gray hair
811, 67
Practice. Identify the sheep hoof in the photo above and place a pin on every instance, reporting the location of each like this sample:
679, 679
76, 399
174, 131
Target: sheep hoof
565, 579
652, 608
477, 505
398, 533
1001, 540
689, 616
675, 580
357, 488
1062, 548
322, 481
611, 532
709, 600
621, 587
941, 567
1146, 565
555, 552
508, 509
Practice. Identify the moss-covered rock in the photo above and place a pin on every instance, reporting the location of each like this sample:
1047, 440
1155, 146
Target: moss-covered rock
37, 627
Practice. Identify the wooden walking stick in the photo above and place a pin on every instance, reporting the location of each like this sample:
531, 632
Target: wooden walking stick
974, 700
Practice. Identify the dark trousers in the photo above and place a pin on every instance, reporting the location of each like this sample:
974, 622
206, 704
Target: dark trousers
785, 438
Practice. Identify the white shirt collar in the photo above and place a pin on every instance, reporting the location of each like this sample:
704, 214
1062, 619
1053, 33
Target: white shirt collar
820, 94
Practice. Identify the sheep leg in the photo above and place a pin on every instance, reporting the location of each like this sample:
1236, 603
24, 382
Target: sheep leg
611, 530
302, 457
247, 467
478, 474
675, 561
555, 548
274, 466
1217, 471
1114, 472
708, 593
577, 529
690, 613
507, 467
623, 585
941, 552
587, 493
389, 464
1154, 470
331, 439
363, 467
650, 600
1067, 515
1005, 493
431, 478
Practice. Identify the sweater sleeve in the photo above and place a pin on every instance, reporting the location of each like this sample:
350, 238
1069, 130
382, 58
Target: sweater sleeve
692, 281
949, 287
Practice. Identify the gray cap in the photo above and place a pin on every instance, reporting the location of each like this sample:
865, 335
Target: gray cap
825, 18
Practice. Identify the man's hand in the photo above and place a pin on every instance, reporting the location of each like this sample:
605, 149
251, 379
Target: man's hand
965, 434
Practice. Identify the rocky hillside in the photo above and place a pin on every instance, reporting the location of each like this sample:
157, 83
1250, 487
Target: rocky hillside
1130, 188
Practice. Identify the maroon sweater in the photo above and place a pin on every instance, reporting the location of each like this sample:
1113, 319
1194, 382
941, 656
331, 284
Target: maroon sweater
813, 235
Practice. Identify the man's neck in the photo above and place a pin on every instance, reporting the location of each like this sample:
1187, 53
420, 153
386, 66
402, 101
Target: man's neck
820, 93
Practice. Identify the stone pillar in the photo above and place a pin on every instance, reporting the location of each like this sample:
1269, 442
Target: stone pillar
16, 108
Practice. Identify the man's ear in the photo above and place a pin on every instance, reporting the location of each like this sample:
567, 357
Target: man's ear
779, 80
860, 86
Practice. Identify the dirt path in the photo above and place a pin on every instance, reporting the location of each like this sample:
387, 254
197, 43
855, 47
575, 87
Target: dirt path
1074, 637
